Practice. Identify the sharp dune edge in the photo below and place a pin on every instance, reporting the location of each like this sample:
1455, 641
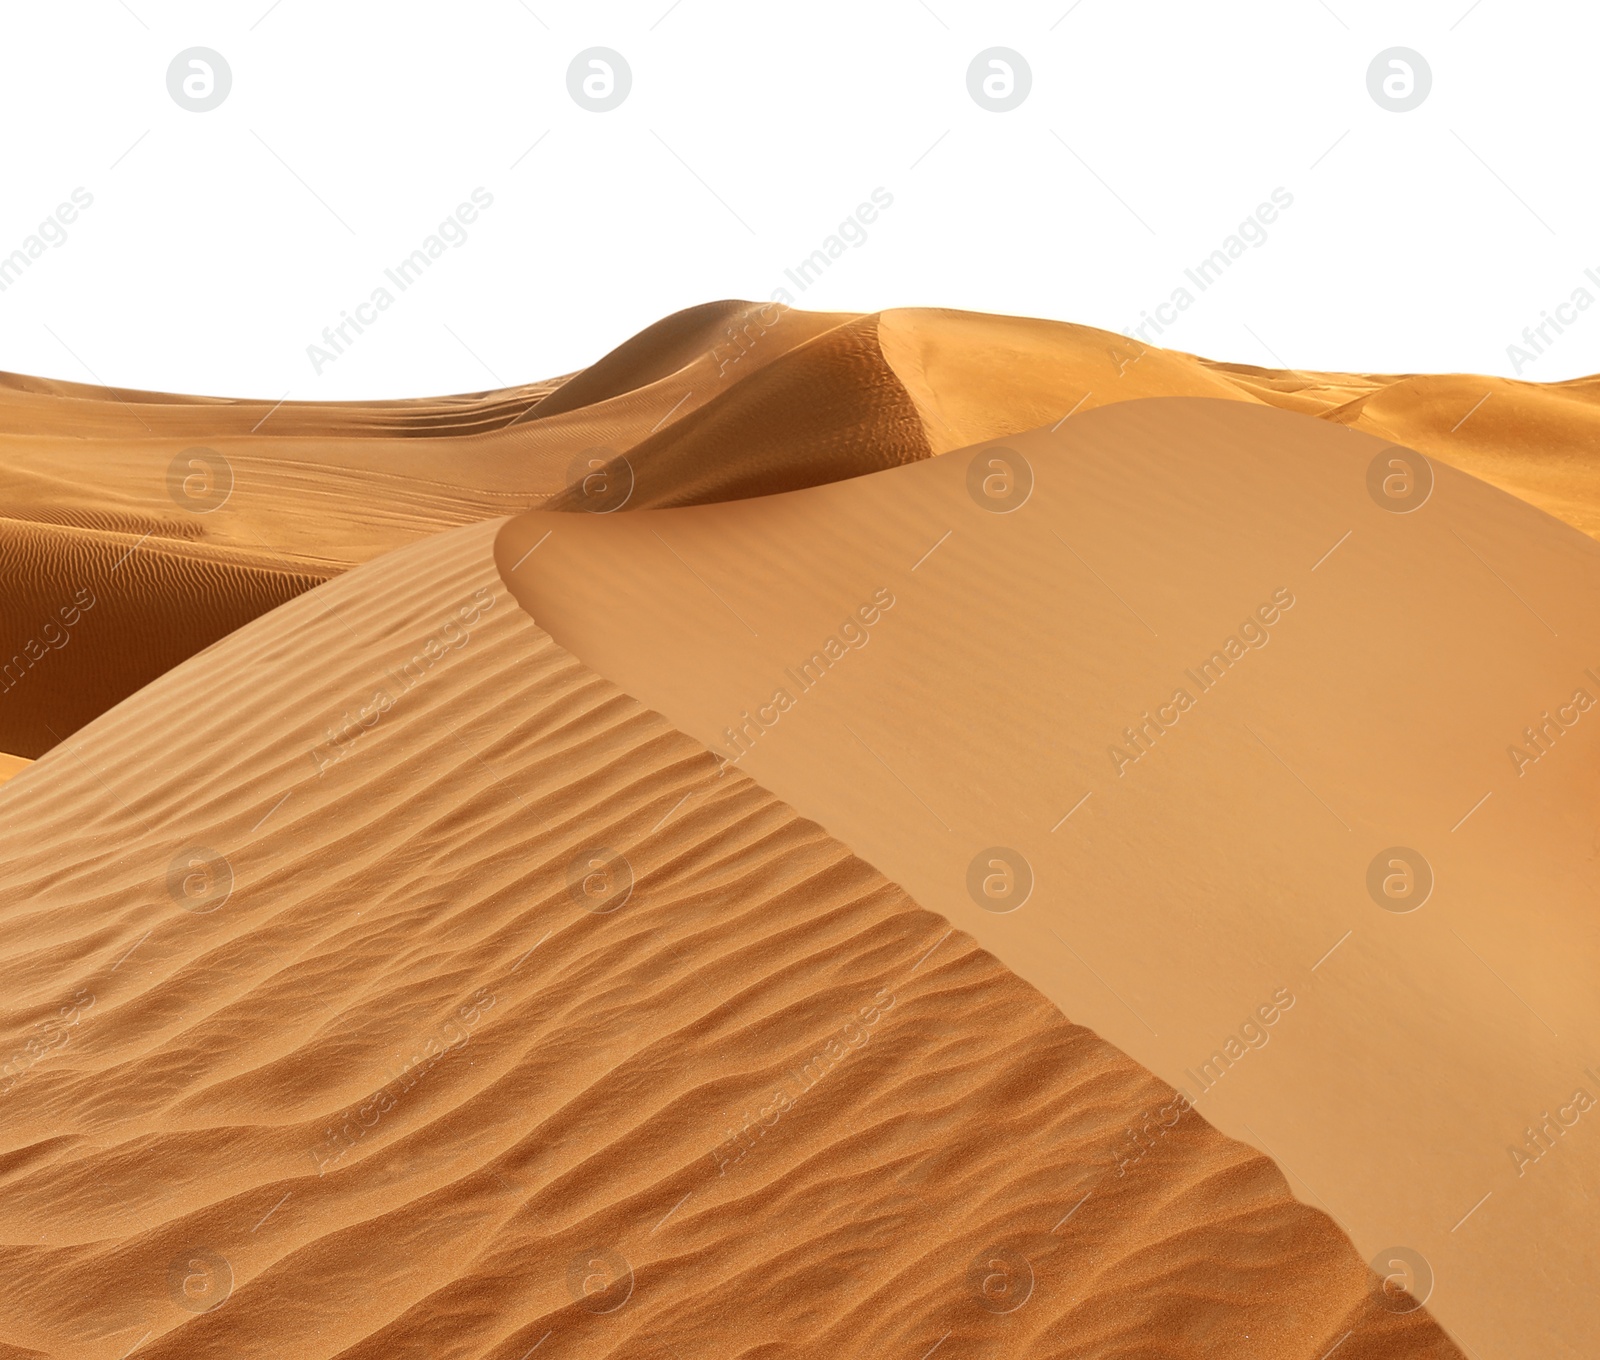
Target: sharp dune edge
716, 402
580, 1080
398, 1091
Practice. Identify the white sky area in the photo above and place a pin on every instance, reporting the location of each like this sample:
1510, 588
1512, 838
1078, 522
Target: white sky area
219, 244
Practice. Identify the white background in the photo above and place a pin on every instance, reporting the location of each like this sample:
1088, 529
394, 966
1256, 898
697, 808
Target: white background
220, 244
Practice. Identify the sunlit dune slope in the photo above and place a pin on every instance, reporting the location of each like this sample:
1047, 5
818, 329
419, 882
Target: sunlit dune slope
1193, 712
385, 982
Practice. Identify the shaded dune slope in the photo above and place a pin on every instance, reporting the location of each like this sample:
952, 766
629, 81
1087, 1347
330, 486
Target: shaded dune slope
89, 618
827, 410
389, 1094
730, 332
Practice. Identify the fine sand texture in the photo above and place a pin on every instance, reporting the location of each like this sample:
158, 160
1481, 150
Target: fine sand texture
184, 517
385, 982
11, 765
1264, 748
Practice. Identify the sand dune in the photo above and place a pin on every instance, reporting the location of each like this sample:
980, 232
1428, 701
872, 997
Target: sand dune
710, 346
770, 433
1045, 684
336, 1026
345, 1038
90, 615
721, 401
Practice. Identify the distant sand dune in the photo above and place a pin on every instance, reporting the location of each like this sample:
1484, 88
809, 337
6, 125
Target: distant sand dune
89, 615
724, 400
540, 1123
708, 345
828, 409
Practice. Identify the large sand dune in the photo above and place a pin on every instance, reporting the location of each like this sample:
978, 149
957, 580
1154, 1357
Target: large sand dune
217, 509
1024, 665
362, 1043
336, 1026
